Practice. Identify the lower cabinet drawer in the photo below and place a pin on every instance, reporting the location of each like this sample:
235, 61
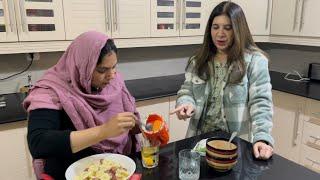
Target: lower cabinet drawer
311, 134
310, 158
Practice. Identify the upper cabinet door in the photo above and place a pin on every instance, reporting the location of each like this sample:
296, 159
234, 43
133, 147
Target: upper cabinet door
286, 17
83, 15
309, 24
258, 15
165, 18
39, 20
193, 17
8, 28
131, 19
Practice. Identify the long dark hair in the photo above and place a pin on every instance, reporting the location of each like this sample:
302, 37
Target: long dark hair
107, 48
242, 42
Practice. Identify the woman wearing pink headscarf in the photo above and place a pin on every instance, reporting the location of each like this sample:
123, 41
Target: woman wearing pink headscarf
80, 107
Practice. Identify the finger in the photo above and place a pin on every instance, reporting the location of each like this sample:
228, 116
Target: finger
182, 112
256, 150
189, 111
268, 154
128, 114
176, 110
263, 153
126, 125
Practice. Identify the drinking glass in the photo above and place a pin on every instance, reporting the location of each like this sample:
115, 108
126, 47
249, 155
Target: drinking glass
149, 153
189, 165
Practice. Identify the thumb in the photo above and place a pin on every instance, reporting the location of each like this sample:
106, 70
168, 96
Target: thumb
189, 110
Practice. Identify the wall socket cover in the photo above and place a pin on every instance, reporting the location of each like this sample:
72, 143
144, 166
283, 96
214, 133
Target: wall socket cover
36, 56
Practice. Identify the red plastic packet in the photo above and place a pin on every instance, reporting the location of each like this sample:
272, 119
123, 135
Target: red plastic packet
46, 177
136, 176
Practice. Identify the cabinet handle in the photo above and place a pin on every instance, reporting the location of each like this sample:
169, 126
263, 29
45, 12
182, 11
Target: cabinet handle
302, 16
183, 14
106, 10
23, 16
115, 12
313, 145
295, 128
311, 166
267, 20
178, 14
295, 16
315, 121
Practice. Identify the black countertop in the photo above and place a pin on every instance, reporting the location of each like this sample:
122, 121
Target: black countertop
247, 167
155, 87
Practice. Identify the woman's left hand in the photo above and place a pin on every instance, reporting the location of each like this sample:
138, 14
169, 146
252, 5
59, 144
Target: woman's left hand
262, 151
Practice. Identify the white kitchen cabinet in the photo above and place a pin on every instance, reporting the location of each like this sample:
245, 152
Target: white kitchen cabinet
14, 153
159, 106
288, 124
309, 22
8, 27
131, 19
285, 17
296, 18
117, 18
178, 128
178, 17
82, 15
310, 154
31, 20
39, 20
258, 15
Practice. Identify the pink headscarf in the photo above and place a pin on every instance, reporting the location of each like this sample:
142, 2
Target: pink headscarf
67, 86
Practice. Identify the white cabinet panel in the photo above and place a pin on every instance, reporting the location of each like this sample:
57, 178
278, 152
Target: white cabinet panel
285, 17
310, 24
39, 20
310, 155
165, 18
14, 153
83, 15
8, 28
258, 15
131, 19
193, 17
116, 18
288, 124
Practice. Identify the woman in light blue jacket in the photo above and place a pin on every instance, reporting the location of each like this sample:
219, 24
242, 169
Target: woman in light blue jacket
227, 85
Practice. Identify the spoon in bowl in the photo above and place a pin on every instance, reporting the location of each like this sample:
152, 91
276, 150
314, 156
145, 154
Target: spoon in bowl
234, 134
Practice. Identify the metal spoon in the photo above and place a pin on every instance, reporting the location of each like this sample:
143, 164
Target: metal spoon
234, 134
147, 126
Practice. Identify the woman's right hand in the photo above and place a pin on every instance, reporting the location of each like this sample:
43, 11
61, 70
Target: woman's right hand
183, 111
119, 124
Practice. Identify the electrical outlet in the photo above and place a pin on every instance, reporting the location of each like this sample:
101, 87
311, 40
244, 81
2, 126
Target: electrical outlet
34, 56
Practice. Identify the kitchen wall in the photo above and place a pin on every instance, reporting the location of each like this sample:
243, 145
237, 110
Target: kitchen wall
286, 58
135, 63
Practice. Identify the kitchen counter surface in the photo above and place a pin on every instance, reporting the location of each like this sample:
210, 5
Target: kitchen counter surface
247, 166
156, 87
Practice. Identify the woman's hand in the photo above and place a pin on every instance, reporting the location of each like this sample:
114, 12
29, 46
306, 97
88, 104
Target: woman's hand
262, 151
183, 111
119, 124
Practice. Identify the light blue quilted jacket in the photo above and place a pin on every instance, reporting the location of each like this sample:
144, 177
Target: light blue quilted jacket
247, 106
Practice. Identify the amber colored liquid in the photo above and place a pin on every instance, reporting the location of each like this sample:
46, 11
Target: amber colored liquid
150, 156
